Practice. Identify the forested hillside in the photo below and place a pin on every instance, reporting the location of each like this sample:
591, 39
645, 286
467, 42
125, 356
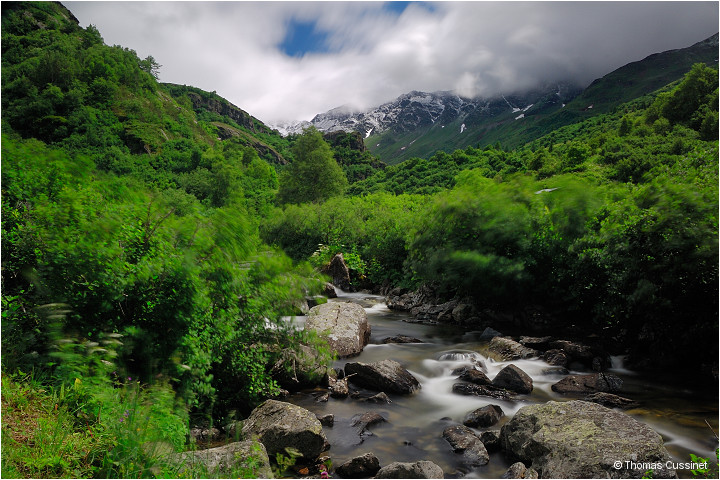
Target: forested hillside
155, 237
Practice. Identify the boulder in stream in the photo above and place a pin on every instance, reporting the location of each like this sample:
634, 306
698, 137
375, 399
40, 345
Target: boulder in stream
514, 379
596, 382
386, 376
344, 325
611, 400
519, 470
464, 441
364, 466
421, 469
339, 272
580, 439
507, 349
475, 376
482, 417
279, 425
401, 339
481, 391
248, 456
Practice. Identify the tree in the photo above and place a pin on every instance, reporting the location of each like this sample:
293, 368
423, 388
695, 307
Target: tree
150, 66
314, 175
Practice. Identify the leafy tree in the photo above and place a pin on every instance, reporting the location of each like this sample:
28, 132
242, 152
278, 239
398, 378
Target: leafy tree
314, 175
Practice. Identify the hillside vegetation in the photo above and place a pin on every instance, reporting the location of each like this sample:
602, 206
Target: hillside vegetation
155, 237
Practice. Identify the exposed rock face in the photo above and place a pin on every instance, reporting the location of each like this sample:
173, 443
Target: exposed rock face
464, 441
583, 440
519, 470
278, 425
596, 382
482, 417
339, 272
385, 376
347, 323
364, 466
514, 379
421, 469
508, 349
221, 461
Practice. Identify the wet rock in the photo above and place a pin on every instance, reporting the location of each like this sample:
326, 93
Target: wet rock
421, 469
491, 440
596, 382
329, 290
401, 339
339, 272
347, 324
386, 376
584, 355
248, 455
365, 420
464, 441
462, 312
322, 398
327, 420
519, 470
514, 379
483, 417
364, 466
556, 357
339, 388
611, 401
378, 398
490, 333
279, 425
536, 343
580, 439
481, 391
508, 349
474, 376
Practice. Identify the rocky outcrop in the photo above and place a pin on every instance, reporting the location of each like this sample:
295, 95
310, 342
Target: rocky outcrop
514, 379
475, 376
279, 425
483, 417
247, 456
465, 442
343, 325
364, 466
580, 439
339, 272
421, 469
596, 382
385, 376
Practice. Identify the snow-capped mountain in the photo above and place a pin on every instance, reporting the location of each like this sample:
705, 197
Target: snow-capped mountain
415, 110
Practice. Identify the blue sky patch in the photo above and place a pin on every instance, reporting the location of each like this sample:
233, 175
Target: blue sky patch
304, 37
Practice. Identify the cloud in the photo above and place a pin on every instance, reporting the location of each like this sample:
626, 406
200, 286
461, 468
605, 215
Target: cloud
375, 53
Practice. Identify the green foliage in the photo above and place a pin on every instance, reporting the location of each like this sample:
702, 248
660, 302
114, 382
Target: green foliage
314, 175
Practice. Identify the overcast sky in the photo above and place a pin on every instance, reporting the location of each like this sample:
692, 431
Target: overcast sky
292, 60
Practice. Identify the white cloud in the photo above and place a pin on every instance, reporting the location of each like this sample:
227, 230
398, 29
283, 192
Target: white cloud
376, 55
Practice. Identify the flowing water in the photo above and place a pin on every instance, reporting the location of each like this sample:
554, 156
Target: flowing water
414, 426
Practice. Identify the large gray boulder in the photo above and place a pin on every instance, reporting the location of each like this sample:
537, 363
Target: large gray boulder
465, 442
580, 439
247, 458
279, 425
421, 469
344, 325
385, 376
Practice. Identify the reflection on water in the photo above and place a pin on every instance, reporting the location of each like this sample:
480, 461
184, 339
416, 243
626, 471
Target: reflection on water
414, 426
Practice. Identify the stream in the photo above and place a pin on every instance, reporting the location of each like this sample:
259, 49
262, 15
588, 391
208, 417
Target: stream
414, 426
